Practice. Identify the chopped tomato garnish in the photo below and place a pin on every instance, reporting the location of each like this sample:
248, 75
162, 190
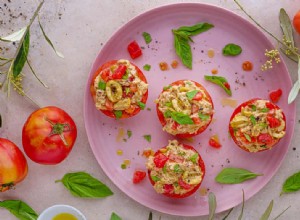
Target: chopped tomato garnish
214, 141
175, 125
273, 122
226, 84
270, 106
147, 153
134, 50
183, 184
130, 110
119, 72
160, 160
196, 120
105, 75
275, 95
265, 139
109, 105
198, 96
169, 188
138, 176
133, 87
247, 66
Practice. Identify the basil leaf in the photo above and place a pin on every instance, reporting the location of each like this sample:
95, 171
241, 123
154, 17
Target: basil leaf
232, 50
168, 114
114, 216
291, 184
18, 63
129, 133
286, 26
194, 158
19, 209
150, 216
265, 110
253, 120
226, 216
195, 29
166, 88
16, 36
169, 104
268, 211
118, 114
220, 81
181, 118
101, 85
177, 168
235, 175
82, 184
243, 205
147, 37
212, 202
183, 50
203, 117
247, 137
49, 41
147, 67
155, 178
142, 105
147, 137
253, 107
190, 95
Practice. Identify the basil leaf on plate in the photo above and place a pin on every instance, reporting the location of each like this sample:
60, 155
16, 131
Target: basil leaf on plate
232, 50
19, 209
118, 114
268, 211
291, 184
147, 37
181, 118
212, 202
195, 29
114, 216
220, 81
190, 95
82, 184
147, 67
235, 175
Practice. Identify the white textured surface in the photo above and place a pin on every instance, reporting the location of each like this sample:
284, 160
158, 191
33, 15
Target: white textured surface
84, 26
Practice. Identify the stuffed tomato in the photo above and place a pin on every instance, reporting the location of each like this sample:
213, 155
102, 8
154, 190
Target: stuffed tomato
184, 108
176, 170
257, 125
119, 89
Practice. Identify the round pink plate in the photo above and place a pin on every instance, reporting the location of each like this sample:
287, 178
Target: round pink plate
106, 134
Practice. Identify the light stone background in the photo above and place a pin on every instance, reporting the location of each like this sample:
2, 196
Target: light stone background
79, 29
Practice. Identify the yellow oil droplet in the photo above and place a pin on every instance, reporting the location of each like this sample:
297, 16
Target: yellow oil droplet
119, 152
203, 191
126, 162
64, 216
120, 136
229, 102
211, 53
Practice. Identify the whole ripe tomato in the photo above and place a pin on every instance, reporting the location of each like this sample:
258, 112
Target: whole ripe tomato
49, 135
296, 22
13, 165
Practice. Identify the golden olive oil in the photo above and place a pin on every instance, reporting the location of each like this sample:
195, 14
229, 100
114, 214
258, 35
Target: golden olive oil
64, 216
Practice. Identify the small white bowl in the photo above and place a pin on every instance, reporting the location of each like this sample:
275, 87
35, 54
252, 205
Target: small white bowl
51, 212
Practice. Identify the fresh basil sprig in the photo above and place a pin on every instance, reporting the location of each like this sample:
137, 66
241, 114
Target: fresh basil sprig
114, 216
82, 184
181, 118
182, 37
291, 184
212, 203
235, 175
19, 209
231, 50
220, 81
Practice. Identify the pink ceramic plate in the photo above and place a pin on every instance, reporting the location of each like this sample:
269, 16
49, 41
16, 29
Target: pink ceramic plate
105, 133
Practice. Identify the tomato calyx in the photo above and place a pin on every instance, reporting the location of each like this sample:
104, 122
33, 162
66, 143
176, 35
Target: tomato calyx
59, 129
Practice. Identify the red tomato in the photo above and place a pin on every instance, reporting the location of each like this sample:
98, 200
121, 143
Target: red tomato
273, 122
201, 129
134, 50
169, 188
296, 22
160, 160
110, 112
13, 165
49, 135
138, 176
265, 139
226, 84
198, 96
119, 72
214, 142
275, 95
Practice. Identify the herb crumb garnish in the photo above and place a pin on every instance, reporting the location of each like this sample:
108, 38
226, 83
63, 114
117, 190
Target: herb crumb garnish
129, 133
147, 137
163, 66
147, 37
147, 67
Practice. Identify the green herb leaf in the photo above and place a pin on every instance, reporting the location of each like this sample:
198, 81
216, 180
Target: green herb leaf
101, 85
155, 178
82, 184
195, 29
268, 211
291, 184
194, 158
183, 50
16, 36
265, 110
126, 75
212, 202
129, 133
19, 209
142, 105
286, 26
147, 137
169, 104
150, 216
253, 120
203, 117
243, 205
177, 168
168, 114
147, 37
248, 137
226, 216
181, 118
235, 175
49, 41
18, 63
190, 95
253, 107
166, 88
118, 113
123, 166
220, 81
232, 50
147, 67
114, 216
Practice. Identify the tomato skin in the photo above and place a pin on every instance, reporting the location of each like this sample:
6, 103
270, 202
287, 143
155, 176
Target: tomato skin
214, 142
169, 188
138, 176
296, 22
273, 122
40, 141
275, 95
160, 160
134, 50
13, 165
119, 73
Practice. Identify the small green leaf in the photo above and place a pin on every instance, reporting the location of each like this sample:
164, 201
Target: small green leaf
181, 118
114, 216
126, 75
142, 105
203, 117
268, 211
291, 184
147, 67
243, 205
177, 168
129, 133
248, 137
169, 104
19, 62
253, 107
16, 36
194, 158
118, 113
265, 110
166, 88
253, 120
19, 209
168, 114
212, 202
232, 50
220, 81
82, 184
147, 37
183, 50
101, 85
164, 169
235, 176
155, 178
195, 29
190, 95
147, 137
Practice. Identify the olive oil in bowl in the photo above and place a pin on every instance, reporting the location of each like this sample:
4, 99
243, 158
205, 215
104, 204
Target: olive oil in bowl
64, 216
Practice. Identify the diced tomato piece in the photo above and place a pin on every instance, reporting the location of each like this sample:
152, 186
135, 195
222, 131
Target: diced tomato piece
175, 125
196, 120
214, 141
183, 184
119, 72
265, 139
275, 95
105, 75
226, 84
130, 110
198, 96
270, 106
138, 176
133, 87
134, 50
169, 188
109, 105
147, 153
195, 108
160, 160
273, 122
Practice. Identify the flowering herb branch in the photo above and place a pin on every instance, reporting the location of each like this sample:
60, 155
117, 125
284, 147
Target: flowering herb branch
288, 47
14, 72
